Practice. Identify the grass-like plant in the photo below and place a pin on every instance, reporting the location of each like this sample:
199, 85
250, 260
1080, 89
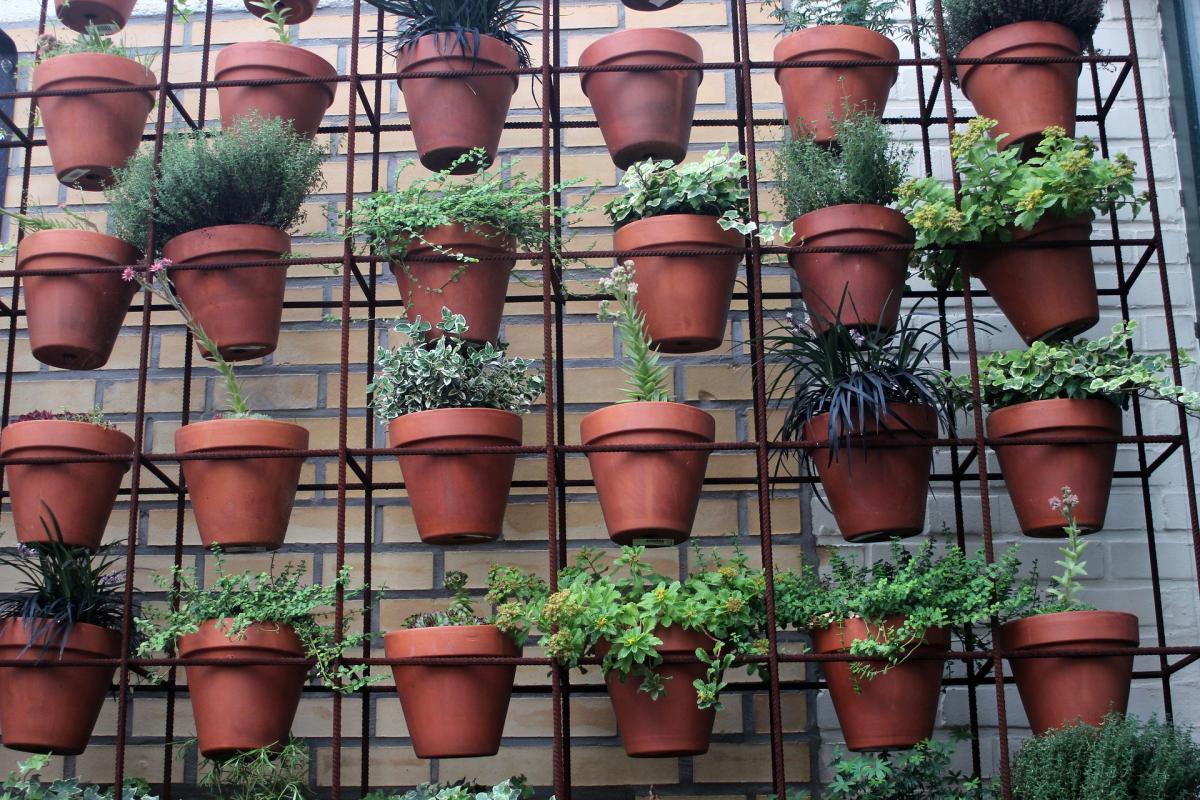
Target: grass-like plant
647, 380
922, 773
515, 788
888, 17
967, 20
267, 773
93, 416
462, 21
91, 40
25, 783
714, 186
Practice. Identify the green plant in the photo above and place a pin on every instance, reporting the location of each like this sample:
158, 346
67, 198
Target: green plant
620, 606
24, 783
268, 773
647, 379
33, 221
93, 416
715, 186
90, 41
1001, 193
922, 773
514, 788
452, 373
276, 13
458, 612
967, 20
888, 17
1122, 759
256, 172
1065, 590
251, 599
464, 21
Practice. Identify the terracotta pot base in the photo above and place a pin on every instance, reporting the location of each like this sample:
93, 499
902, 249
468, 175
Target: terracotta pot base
107, 16
298, 10
302, 104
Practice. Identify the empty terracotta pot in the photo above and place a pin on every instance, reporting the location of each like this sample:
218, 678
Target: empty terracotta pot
90, 135
453, 711
1046, 293
1035, 473
49, 709
451, 116
1024, 99
74, 319
892, 711
1064, 690
672, 725
108, 16
81, 495
302, 104
242, 504
241, 308
649, 497
457, 499
815, 96
685, 298
243, 707
475, 290
643, 114
864, 287
877, 493
298, 10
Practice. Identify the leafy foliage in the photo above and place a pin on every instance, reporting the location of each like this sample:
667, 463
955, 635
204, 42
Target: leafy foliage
888, 17
92, 416
458, 612
1065, 590
1122, 759
922, 773
967, 20
715, 186
647, 378
24, 783
276, 12
461, 21
90, 41
867, 167
514, 788
452, 373
268, 773
256, 172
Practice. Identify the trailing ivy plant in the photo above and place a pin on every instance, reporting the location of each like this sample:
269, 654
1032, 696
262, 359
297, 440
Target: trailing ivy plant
266, 773
922, 773
647, 379
967, 20
25, 783
93, 416
451, 373
459, 611
515, 788
460, 22
888, 17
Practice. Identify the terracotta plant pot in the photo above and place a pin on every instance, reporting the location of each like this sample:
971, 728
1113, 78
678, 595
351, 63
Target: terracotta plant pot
1035, 473
476, 290
74, 319
453, 711
49, 709
108, 16
302, 104
298, 10
877, 493
90, 135
648, 497
685, 298
81, 495
866, 287
643, 114
814, 96
264, 697
242, 504
651, 5
451, 116
240, 309
457, 499
672, 725
1063, 691
892, 711
1024, 99
1046, 293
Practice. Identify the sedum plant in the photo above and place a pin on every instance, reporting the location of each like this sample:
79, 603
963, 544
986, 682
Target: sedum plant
515, 788
647, 379
459, 611
25, 783
922, 773
967, 20
888, 17
451, 373
93, 416
461, 22
714, 186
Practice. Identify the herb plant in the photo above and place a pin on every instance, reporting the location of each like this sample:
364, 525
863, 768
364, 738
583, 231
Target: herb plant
514, 788
459, 611
276, 12
90, 41
24, 783
267, 773
647, 379
92, 416
460, 22
922, 773
967, 20
713, 187
888, 17
452, 373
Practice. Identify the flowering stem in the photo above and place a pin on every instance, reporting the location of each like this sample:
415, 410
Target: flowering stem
647, 378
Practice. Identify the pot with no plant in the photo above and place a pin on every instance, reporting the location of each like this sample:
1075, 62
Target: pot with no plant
1024, 98
106, 16
91, 135
224, 198
1073, 391
453, 394
1045, 292
648, 497
840, 198
69, 606
814, 98
248, 616
285, 12
631, 617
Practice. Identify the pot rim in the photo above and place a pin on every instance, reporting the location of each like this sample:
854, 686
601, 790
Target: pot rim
121, 70
244, 54
613, 419
834, 639
1059, 412
46, 243
263, 434
1017, 36
407, 430
1042, 630
456, 234
83, 637
64, 434
193, 644
450, 640
796, 44
922, 418
205, 242
702, 229
869, 218
634, 41
491, 51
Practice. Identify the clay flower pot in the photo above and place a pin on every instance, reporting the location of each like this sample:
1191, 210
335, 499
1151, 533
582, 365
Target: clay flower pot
453, 711
302, 104
643, 114
1063, 691
1046, 293
475, 290
866, 287
451, 116
877, 493
892, 711
685, 298
108, 16
243, 707
298, 10
672, 725
814, 96
50, 709
1035, 473
74, 319
1024, 99
648, 497
457, 499
242, 504
651, 5
240, 309
90, 135
81, 495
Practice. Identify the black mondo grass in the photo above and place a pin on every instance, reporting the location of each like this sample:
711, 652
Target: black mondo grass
463, 20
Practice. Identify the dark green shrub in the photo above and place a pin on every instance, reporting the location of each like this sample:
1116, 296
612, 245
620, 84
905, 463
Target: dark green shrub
970, 19
922, 773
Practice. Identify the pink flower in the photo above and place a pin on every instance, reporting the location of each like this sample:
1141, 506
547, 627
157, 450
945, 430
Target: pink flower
127, 274
159, 265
